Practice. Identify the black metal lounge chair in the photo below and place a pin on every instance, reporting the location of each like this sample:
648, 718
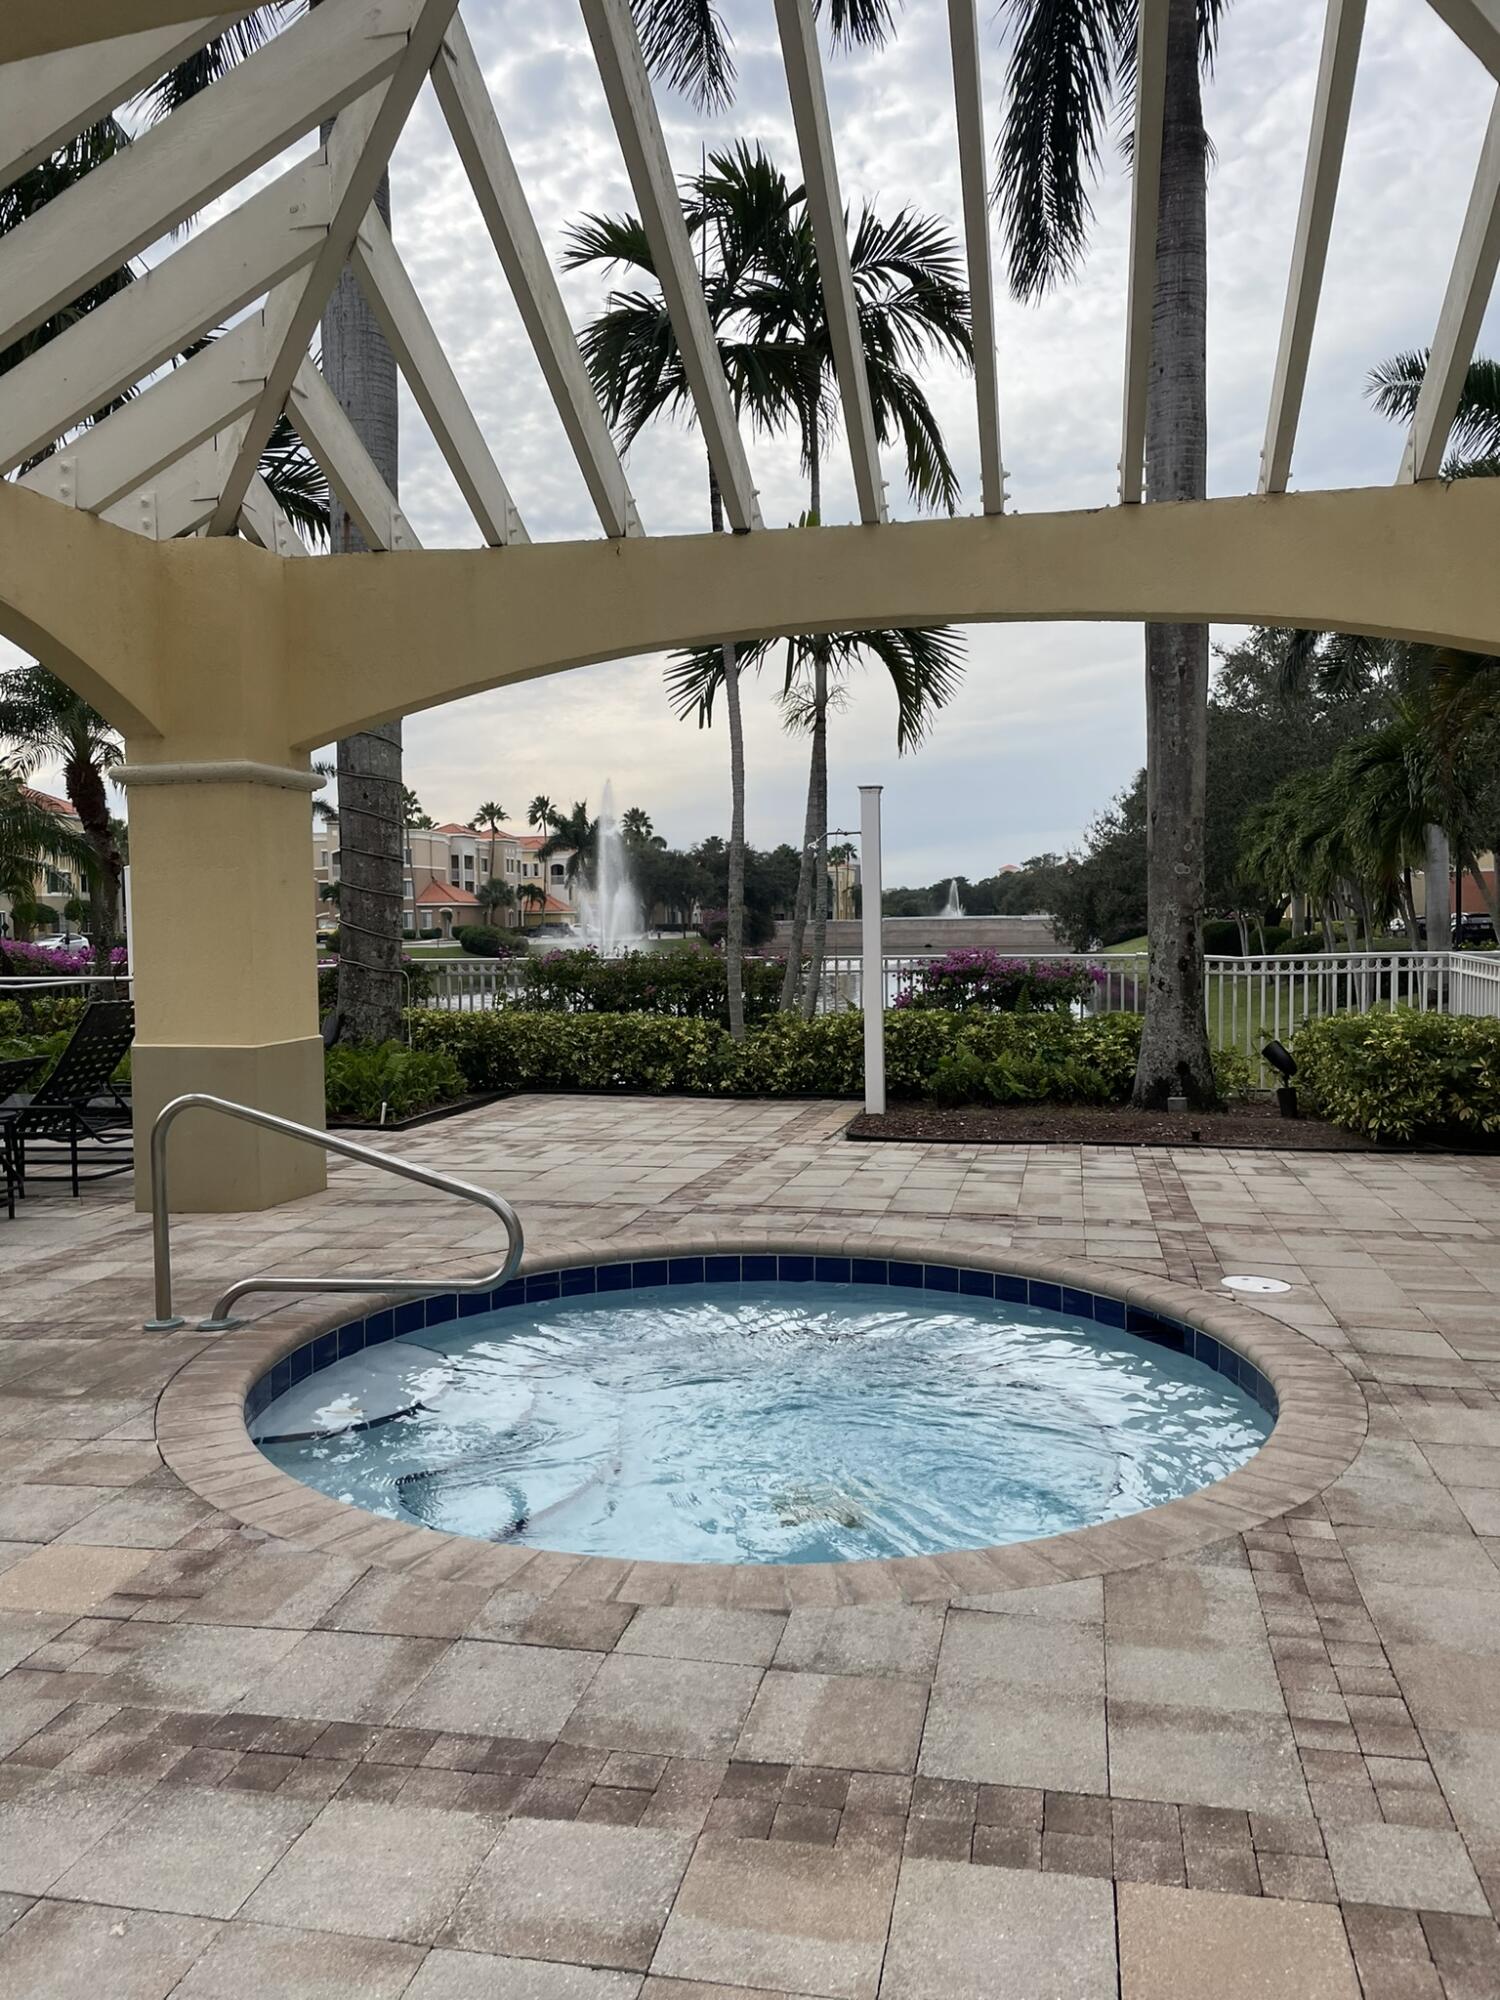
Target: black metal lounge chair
15, 1075
76, 1104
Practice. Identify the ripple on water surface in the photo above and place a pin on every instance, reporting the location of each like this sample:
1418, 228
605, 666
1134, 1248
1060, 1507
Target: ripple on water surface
766, 1423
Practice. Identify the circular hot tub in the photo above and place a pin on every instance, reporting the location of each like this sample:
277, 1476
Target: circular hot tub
762, 1408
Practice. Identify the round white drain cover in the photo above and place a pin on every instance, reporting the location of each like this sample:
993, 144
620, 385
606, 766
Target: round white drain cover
1243, 1283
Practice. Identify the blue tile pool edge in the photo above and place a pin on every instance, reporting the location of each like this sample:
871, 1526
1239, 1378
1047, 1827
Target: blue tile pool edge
760, 1267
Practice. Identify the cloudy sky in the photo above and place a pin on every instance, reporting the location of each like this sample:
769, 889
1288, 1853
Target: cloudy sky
1049, 722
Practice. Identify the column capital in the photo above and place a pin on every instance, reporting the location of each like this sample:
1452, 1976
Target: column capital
221, 771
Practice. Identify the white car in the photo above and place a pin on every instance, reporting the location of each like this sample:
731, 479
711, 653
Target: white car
60, 941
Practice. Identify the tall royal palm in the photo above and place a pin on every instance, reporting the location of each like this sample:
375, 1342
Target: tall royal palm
759, 264
489, 816
1070, 61
361, 371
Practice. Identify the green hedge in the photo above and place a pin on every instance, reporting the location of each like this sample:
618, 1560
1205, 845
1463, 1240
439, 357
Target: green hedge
1398, 1074
688, 984
512, 1049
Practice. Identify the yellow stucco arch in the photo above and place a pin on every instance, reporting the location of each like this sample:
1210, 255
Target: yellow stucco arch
225, 667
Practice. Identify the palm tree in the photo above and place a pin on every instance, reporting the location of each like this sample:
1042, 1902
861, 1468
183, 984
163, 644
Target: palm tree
636, 826
1474, 441
924, 665
411, 810
760, 277
575, 835
531, 895
1071, 61
495, 896
489, 815
541, 813
47, 723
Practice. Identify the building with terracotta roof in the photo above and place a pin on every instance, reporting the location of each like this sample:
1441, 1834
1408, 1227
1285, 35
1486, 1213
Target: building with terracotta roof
448, 870
58, 882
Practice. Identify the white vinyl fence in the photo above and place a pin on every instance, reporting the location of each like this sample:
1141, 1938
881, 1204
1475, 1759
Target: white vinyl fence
1247, 999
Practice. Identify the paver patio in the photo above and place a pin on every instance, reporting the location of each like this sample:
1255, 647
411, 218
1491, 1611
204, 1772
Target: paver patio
233, 1762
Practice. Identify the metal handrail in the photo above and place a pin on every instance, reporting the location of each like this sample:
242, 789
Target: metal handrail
401, 1288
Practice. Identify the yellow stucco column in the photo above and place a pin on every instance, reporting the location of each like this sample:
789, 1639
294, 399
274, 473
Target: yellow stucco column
225, 975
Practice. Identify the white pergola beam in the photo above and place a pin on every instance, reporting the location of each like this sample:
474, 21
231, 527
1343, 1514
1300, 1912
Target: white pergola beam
968, 99
42, 27
46, 100
1320, 185
351, 472
211, 277
420, 357
1477, 25
144, 436
306, 74
264, 521
1145, 196
470, 114
1462, 314
359, 148
633, 111
179, 500
804, 75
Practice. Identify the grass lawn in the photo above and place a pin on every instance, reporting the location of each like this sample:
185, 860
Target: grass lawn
1238, 1012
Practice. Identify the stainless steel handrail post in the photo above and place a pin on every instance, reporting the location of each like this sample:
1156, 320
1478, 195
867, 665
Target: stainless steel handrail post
400, 1287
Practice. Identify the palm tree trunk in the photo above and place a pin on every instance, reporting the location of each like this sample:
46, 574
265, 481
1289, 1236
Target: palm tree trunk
819, 792
1436, 895
361, 371
1175, 1059
815, 822
84, 784
734, 917
1489, 891
793, 975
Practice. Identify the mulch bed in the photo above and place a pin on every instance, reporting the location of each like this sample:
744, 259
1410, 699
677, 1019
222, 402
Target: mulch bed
432, 1116
1255, 1124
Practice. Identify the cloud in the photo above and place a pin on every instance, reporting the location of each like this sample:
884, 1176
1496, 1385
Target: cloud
1049, 722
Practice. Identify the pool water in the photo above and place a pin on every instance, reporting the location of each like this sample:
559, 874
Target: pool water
762, 1423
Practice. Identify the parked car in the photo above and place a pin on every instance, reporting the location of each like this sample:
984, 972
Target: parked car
61, 941
1473, 927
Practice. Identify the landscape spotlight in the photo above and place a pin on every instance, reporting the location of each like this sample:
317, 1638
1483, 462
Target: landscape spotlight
1280, 1058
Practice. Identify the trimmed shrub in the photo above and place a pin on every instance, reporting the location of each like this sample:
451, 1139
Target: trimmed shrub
1302, 945
690, 984
966, 979
485, 941
1403, 1075
509, 1048
1221, 937
1048, 1060
359, 1079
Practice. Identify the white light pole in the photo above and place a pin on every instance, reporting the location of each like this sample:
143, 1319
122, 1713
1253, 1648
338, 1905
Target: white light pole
872, 972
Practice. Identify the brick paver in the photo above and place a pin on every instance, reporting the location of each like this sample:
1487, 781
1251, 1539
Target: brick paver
233, 1758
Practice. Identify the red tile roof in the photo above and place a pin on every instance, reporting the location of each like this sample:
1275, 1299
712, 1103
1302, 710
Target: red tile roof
49, 804
444, 892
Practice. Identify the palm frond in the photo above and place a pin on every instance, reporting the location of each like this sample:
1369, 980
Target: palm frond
297, 481
926, 667
858, 24
686, 45
607, 239
695, 675
219, 55
1059, 85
